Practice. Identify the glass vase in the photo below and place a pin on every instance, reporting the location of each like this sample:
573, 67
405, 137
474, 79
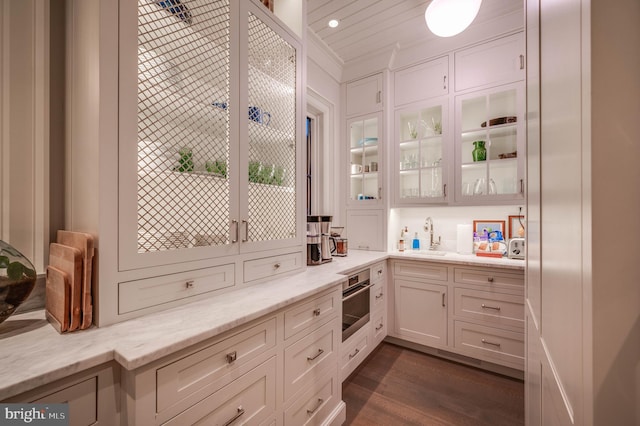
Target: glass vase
479, 152
17, 279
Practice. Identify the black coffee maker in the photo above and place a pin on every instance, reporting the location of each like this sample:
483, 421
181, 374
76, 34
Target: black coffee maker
318, 249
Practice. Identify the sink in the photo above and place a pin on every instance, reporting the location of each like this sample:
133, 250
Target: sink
432, 252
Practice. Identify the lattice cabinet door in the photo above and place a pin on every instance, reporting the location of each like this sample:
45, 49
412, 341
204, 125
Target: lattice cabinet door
270, 130
178, 176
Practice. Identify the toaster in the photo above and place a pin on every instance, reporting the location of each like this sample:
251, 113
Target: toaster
515, 249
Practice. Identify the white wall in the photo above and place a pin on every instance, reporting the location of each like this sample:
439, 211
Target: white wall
445, 221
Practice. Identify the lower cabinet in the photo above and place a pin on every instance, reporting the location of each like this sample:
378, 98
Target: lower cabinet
474, 311
92, 396
279, 369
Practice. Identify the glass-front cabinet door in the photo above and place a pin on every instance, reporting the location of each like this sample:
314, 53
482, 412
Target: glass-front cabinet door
365, 154
421, 154
490, 145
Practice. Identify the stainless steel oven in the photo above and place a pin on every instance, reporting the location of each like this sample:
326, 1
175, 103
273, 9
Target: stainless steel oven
355, 303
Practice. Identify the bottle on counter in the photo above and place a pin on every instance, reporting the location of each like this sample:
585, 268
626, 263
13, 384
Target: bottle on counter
415, 244
401, 243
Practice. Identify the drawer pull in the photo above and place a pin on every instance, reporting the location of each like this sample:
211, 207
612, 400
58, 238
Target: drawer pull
316, 312
311, 358
495, 308
236, 417
231, 357
276, 266
490, 279
379, 327
486, 342
443, 296
354, 354
189, 284
318, 405
379, 296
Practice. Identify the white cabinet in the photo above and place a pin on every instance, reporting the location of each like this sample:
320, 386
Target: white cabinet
490, 64
265, 370
364, 96
490, 145
366, 160
472, 311
92, 396
365, 229
421, 151
421, 82
202, 169
421, 312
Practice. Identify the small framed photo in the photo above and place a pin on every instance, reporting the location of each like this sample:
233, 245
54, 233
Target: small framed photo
481, 226
515, 223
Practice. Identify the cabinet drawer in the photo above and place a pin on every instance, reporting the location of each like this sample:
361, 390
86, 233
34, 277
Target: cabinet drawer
311, 314
82, 399
377, 298
378, 272
420, 270
191, 378
379, 327
315, 404
251, 399
271, 266
492, 308
491, 344
354, 351
306, 357
490, 279
140, 294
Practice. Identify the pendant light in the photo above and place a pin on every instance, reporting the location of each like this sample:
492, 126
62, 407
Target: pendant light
446, 18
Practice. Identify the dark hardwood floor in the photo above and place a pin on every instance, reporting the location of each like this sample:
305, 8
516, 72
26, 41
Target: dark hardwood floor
397, 386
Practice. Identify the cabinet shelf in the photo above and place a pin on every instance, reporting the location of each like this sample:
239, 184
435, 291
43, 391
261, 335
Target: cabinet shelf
367, 149
497, 163
367, 175
428, 139
494, 131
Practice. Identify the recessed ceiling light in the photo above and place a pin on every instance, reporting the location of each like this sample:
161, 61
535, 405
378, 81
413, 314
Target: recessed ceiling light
333, 23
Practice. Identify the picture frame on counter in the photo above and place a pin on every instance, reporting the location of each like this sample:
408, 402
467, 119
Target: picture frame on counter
515, 222
479, 226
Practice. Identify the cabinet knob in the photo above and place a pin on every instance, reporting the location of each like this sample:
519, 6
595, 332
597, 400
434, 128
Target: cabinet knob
276, 266
231, 357
316, 312
189, 284
490, 279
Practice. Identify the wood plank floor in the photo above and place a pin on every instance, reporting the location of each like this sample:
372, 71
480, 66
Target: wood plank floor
397, 387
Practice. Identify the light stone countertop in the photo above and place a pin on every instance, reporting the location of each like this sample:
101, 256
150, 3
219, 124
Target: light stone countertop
33, 354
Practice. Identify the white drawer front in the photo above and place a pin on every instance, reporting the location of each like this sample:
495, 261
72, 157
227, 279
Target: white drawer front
271, 266
354, 351
188, 380
82, 399
378, 272
491, 344
313, 407
251, 399
490, 279
140, 294
304, 358
420, 270
377, 297
312, 313
379, 326
491, 308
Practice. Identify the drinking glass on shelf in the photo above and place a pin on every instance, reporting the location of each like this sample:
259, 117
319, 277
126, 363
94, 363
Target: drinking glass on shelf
492, 187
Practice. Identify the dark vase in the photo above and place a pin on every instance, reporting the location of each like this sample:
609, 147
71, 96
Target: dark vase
479, 152
17, 279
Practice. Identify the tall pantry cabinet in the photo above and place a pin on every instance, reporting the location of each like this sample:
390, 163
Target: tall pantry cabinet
184, 148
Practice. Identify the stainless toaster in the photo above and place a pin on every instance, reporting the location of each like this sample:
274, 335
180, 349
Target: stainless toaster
515, 249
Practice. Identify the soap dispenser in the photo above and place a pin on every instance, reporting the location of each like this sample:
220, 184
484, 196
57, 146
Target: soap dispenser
415, 245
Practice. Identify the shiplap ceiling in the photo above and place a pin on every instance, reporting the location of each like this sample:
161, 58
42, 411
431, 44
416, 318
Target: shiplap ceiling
370, 25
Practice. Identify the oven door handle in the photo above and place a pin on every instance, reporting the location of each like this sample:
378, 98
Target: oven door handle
357, 292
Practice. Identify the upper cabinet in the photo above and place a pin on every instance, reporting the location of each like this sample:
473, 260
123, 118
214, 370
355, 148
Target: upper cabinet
364, 96
366, 160
490, 144
421, 155
208, 151
421, 82
490, 64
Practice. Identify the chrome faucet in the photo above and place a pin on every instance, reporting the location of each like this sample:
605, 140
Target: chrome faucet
428, 227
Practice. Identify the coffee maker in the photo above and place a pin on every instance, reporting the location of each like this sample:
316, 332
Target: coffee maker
318, 249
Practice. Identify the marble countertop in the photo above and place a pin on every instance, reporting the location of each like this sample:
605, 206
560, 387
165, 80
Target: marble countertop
33, 354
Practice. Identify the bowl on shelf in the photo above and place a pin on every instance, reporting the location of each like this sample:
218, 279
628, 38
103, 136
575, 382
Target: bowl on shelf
17, 279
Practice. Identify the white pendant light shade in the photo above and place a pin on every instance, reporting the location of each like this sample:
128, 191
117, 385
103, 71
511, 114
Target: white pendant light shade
446, 18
